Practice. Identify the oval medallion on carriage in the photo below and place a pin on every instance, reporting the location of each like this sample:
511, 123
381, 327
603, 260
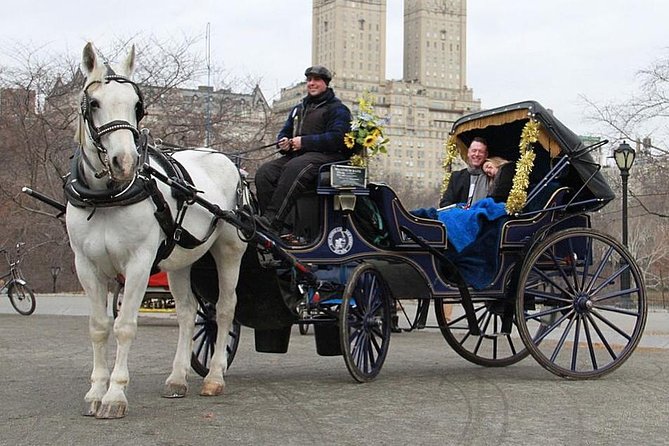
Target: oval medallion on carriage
340, 240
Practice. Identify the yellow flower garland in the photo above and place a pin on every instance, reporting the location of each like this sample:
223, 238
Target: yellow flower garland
524, 165
451, 152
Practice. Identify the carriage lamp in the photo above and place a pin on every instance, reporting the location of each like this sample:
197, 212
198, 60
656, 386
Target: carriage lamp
624, 156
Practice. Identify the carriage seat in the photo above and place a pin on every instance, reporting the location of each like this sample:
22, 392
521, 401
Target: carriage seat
395, 216
516, 231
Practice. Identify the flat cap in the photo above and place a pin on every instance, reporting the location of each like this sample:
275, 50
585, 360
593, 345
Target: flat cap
320, 71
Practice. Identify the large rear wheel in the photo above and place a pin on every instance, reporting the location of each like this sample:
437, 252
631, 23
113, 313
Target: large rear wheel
494, 347
581, 303
364, 323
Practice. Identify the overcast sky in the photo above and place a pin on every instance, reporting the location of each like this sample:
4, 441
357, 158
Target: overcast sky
552, 51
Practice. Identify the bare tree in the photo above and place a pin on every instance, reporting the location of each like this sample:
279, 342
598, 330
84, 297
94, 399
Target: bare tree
642, 120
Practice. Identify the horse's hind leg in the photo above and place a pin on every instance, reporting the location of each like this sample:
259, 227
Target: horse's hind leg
176, 384
228, 255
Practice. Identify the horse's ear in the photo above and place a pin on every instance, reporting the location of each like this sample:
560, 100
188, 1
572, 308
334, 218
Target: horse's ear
130, 62
88, 59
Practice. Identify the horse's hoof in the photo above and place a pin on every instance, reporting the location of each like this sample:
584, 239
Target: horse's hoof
212, 389
91, 408
175, 391
111, 411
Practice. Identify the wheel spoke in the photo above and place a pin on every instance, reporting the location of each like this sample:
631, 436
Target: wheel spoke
591, 349
563, 339
606, 344
611, 325
555, 284
598, 273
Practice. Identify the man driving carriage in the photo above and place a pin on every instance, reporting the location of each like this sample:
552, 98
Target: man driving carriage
312, 135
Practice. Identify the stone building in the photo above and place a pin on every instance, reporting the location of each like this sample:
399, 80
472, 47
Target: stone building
349, 37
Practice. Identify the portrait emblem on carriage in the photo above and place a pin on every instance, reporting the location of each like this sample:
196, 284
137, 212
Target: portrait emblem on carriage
340, 240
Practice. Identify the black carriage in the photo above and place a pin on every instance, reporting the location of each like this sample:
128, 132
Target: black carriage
539, 281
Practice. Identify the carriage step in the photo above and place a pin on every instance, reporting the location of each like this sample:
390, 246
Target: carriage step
500, 334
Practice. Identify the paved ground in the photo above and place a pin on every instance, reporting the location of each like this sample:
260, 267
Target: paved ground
425, 394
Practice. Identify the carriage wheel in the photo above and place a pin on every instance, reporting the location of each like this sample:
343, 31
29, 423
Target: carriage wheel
364, 323
204, 339
22, 298
304, 328
493, 348
410, 315
581, 303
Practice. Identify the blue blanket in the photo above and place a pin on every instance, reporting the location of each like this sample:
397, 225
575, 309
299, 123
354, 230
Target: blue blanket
463, 225
477, 262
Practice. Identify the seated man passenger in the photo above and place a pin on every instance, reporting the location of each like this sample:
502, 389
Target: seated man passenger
470, 184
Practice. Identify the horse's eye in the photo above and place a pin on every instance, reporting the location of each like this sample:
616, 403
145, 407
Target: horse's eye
95, 104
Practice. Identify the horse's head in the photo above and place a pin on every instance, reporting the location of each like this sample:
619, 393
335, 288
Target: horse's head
111, 108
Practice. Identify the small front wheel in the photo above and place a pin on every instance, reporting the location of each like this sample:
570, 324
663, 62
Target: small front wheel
22, 298
364, 323
204, 339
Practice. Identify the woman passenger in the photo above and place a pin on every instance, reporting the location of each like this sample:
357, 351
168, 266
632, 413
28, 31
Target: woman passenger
501, 173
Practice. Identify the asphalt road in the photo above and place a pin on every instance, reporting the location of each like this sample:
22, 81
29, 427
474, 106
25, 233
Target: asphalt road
425, 395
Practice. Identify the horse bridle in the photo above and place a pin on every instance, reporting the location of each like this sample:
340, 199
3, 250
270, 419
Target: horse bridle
96, 133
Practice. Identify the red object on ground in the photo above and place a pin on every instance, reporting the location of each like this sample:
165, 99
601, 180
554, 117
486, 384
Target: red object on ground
159, 280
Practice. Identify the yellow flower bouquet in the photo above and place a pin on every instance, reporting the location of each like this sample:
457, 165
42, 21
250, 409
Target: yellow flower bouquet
366, 135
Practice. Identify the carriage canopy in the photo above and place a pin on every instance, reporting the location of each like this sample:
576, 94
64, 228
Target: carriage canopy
502, 128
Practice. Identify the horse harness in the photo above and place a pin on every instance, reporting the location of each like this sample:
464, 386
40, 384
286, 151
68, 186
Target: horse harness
96, 133
143, 185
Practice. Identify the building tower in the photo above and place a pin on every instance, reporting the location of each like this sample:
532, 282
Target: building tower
435, 42
349, 37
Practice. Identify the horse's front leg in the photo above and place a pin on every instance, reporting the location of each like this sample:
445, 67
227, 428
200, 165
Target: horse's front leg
176, 385
114, 403
99, 327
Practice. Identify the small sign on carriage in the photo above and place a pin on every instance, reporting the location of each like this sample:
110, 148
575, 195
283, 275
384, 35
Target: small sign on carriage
348, 177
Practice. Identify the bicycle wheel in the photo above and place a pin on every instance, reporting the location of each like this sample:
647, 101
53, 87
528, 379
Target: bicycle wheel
364, 323
591, 317
22, 298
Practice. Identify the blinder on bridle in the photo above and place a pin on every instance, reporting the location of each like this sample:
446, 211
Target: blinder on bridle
96, 133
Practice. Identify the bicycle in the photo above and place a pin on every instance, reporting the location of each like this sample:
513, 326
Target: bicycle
20, 295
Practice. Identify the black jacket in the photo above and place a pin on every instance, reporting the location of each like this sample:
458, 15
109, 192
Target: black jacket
457, 190
503, 182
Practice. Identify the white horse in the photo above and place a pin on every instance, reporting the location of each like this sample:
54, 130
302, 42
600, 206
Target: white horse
112, 240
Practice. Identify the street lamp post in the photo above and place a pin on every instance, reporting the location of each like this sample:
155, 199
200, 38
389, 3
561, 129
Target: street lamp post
55, 270
624, 156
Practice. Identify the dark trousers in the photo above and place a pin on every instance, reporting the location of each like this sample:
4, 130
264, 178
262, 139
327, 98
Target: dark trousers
280, 181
